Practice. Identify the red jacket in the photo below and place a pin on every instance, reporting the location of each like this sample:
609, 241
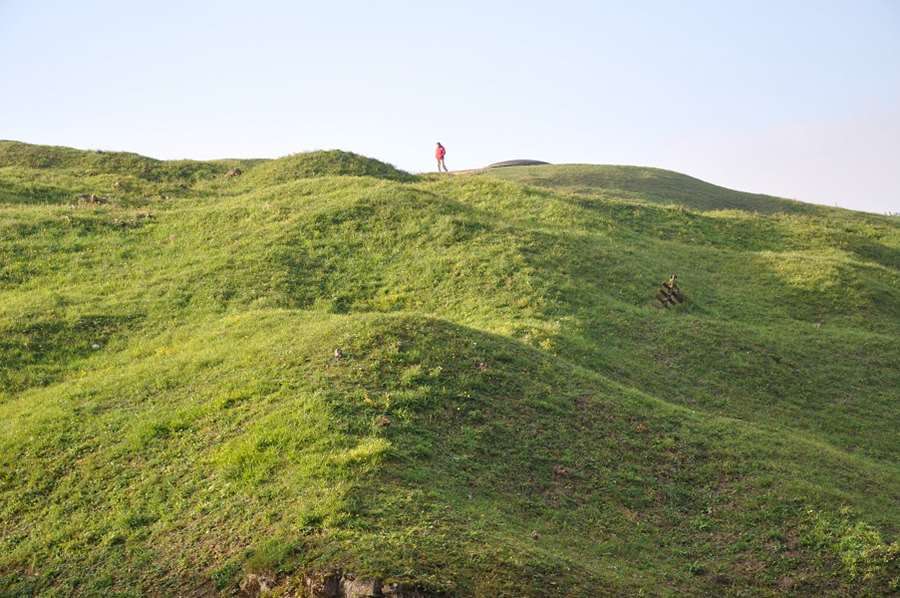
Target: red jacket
439, 152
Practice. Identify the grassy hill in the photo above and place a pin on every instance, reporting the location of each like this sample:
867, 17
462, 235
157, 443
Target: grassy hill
459, 383
647, 184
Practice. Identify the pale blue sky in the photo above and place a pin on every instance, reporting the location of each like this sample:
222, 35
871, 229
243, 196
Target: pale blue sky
799, 99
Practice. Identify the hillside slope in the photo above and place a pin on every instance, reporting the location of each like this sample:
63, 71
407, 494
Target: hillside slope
647, 184
460, 383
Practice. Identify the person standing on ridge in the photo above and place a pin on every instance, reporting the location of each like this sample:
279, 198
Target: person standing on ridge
439, 152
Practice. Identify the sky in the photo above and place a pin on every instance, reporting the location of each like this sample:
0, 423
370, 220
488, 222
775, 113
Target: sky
790, 98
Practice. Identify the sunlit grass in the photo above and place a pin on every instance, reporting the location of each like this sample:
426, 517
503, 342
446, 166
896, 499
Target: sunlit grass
461, 382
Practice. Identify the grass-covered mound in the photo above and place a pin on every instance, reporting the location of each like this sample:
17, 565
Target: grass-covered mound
98, 162
647, 184
26, 155
323, 163
508, 413
41, 174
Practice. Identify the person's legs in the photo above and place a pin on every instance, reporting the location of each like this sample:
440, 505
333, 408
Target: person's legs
444, 164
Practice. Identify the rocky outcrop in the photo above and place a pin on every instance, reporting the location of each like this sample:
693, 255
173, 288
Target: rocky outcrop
253, 585
346, 585
332, 584
90, 198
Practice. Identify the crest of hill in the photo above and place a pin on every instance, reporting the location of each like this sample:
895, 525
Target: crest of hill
647, 184
324, 163
99, 162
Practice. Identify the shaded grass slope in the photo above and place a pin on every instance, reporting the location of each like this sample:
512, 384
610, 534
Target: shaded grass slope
508, 415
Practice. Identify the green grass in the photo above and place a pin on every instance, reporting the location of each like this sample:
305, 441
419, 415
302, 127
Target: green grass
646, 184
511, 414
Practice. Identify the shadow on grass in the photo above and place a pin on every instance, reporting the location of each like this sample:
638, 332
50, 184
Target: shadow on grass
40, 352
